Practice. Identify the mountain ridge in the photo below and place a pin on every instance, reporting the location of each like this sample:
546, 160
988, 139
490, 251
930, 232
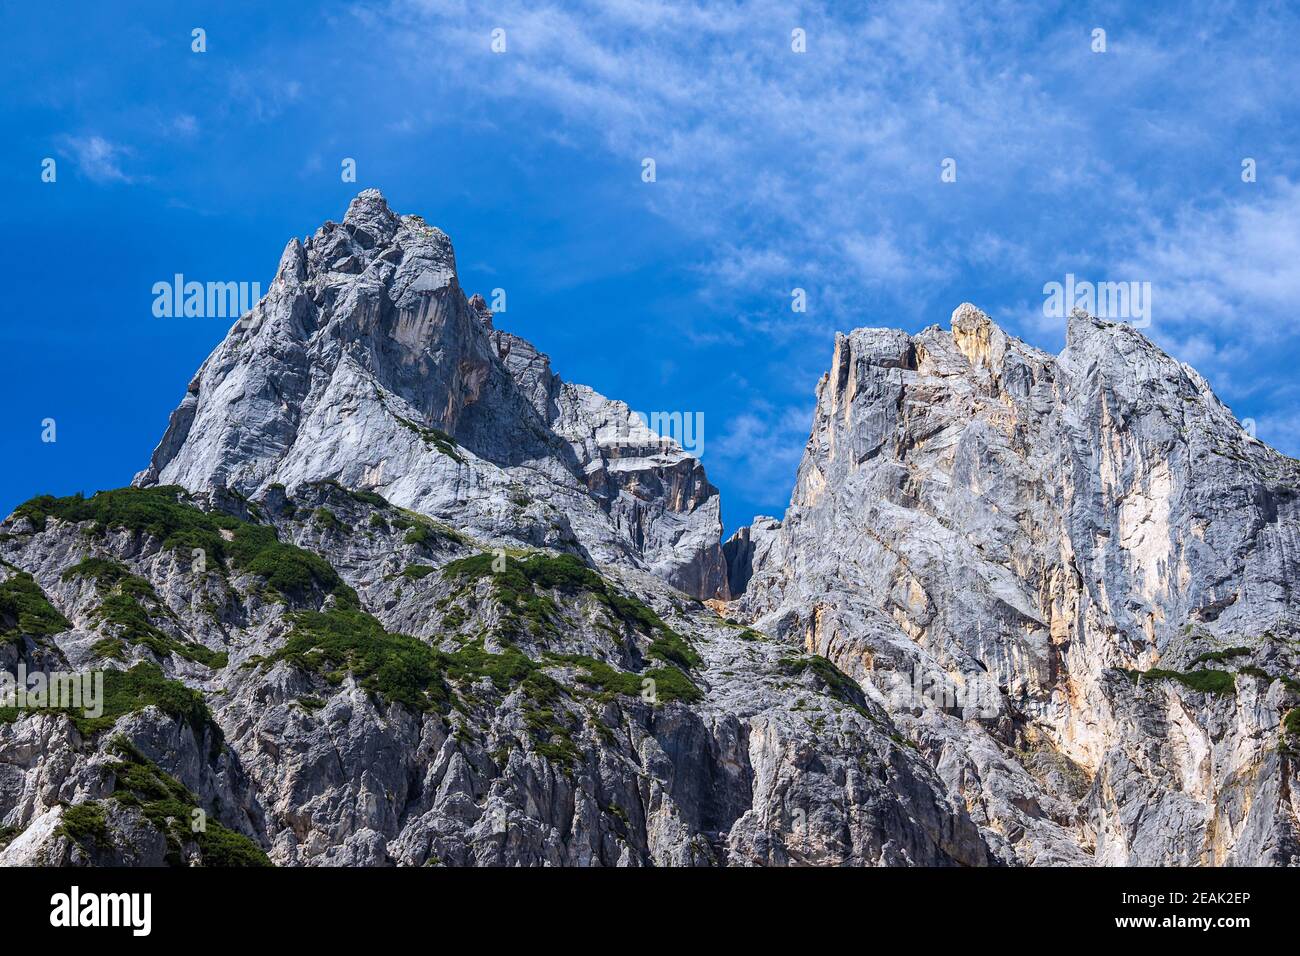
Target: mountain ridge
368, 316
390, 591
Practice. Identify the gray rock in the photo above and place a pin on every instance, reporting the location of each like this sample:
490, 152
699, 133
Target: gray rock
1023, 609
973, 512
365, 363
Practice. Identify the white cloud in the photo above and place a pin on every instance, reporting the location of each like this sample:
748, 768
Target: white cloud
821, 169
262, 95
808, 152
1232, 266
97, 157
1281, 430
759, 450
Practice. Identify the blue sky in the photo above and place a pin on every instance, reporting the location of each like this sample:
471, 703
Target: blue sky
775, 170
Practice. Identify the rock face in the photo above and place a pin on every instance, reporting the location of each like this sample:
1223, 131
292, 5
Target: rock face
392, 593
411, 701
366, 364
995, 541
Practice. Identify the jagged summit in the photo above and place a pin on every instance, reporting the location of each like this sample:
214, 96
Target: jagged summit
978, 512
366, 364
1023, 608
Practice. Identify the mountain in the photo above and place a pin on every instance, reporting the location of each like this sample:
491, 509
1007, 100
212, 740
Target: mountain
365, 363
1092, 540
390, 591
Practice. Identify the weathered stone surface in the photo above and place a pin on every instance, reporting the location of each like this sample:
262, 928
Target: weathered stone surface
533, 761
971, 511
365, 343
424, 603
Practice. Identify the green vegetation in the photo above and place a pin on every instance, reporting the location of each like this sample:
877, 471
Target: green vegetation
473, 662
1291, 723
128, 691
122, 609
839, 684
434, 437
1205, 681
397, 667
404, 670
106, 572
135, 626
552, 737
24, 609
1218, 657
328, 520
519, 581
512, 586
142, 685
164, 513
671, 647
171, 808
407, 671
84, 821
109, 648
371, 498
422, 530
420, 534
669, 683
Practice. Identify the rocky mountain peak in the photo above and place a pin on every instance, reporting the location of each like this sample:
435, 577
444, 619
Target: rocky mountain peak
369, 220
366, 364
1090, 537
978, 337
392, 591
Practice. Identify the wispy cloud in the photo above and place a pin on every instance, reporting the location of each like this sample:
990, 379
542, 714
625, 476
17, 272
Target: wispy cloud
821, 168
799, 164
760, 449
98, 158
261, 94
1231, 266
818, 170
185, 125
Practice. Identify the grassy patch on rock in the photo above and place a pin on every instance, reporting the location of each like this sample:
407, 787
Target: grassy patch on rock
165, 513
669, 683
133, 625
395, 666
170, 806
417, 572
434, 438
123, 609
25, 610
1218, 657
837, 683
84, 822
126, 692
1221, 683
518, 583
